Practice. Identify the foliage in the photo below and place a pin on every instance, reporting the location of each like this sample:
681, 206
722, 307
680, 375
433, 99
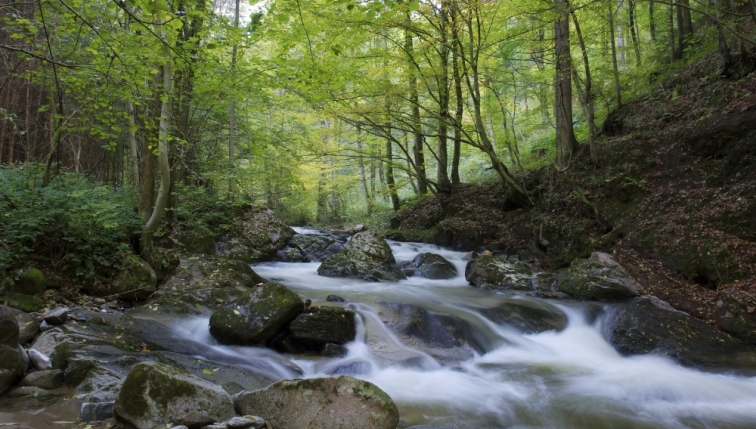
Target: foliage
79, 225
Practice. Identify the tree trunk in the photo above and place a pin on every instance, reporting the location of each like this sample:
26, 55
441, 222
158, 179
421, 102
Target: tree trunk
671, 24
417, 147
363, 179
443, 184
459, 100
390, 176
633, 31
617, 88
590, 112
566, 144
231, 108
161, 202
651, 21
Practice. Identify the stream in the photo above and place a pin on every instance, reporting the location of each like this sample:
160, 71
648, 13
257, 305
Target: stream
510, 378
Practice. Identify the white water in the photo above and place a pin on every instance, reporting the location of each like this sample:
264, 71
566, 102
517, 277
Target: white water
567, 379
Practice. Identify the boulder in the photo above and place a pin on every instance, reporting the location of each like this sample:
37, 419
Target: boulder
488, 271
256, 237
57, 316
528, 316
28, 326
446, 338
23, 302
164, 262
200, 284
257, 316
597, 278
12, 365
317, 247
96, 411
339, 402
430, 266
31, 282
649, 325
50, 379
367, 256
8, 327
291, 254
154, 393
318, 326
136, 281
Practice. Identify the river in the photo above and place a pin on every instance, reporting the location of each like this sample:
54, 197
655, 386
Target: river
498, 375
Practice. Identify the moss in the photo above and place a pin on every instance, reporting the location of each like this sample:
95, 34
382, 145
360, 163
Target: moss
24, 302
160, 381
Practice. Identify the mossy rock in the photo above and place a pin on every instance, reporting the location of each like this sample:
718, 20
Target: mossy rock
9, 331
257, 316
598, 278
137, 281
31, 282
488, 271
256, 237
154, 393
23, 302
367, 256
341, 402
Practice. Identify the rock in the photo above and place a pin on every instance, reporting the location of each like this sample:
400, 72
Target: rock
488, 271
257, 316
136, 282
450, 426
194, 419
23, 302
339, 402
316, 247
9, 332
28, 326
54, 282
430, 266
12, 365
255, 237
154, 393
335, 298
39, 360
48, 379
165, 261
232, 388
98, 301
214, 426
245, 422
96, 411
649, 325
366, 256
528, 316
291, 254
318, 326
43, 326
448, 339
197, 241
333, 350
597, 278
200, 284
57, 316
179, 427
31, 282
25, 391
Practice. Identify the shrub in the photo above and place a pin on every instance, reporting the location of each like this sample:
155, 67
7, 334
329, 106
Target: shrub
72, 222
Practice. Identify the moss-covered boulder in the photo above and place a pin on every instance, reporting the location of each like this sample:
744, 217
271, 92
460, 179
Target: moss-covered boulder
24, 302
528, 316
488, 271
319, 326
430, 266
257, 316
154, 393
28, 325
367, 256
649, 325
12, 365
317, 247
31, 282
165, 262
339, 402
201, 284
255, 237
135, 281
8, 327
597, 278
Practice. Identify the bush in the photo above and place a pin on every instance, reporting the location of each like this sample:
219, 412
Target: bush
72, 222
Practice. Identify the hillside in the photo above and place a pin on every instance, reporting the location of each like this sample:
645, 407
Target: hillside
675, 192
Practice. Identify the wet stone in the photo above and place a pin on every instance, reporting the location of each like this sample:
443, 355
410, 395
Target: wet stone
49, 379
245, 422
25, 391
95, 412
195, 419
57, 316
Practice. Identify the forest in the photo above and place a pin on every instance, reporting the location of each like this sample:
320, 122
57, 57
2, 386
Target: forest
126, 121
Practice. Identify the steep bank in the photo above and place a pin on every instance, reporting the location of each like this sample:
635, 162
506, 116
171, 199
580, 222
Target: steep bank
675, 192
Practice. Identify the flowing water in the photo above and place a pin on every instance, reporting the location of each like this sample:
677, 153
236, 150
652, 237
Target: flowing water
508, 377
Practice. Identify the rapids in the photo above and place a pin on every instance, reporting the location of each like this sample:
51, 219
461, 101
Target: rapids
513, 378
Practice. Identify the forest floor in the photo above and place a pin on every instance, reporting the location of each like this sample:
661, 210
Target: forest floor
676, 185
